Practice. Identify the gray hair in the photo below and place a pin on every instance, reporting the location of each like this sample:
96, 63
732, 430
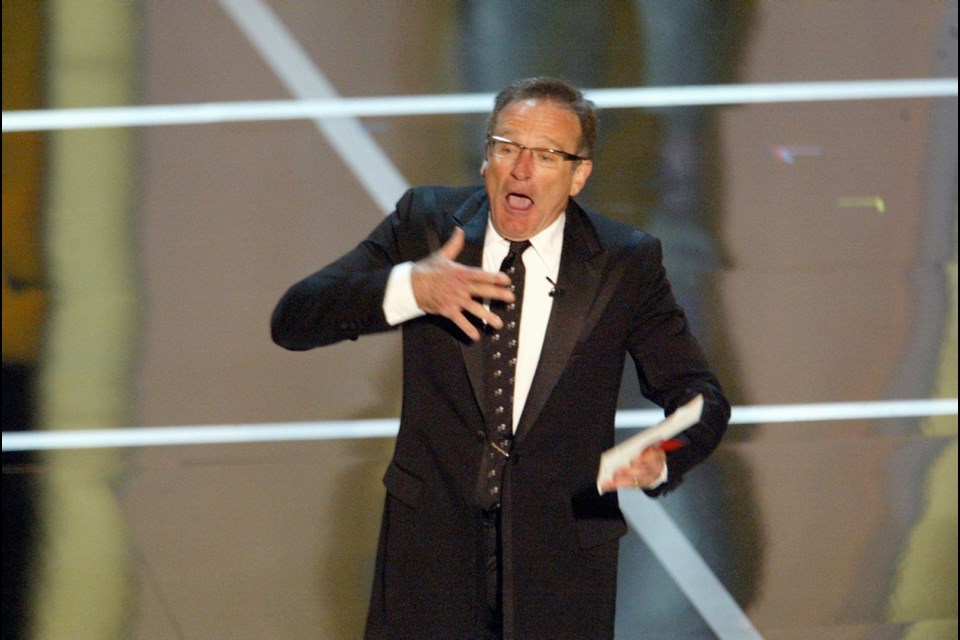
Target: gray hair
555, 90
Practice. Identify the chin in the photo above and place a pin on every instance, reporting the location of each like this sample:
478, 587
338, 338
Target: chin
515, 232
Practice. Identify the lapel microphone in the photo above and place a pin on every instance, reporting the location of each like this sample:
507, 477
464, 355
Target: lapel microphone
556, 291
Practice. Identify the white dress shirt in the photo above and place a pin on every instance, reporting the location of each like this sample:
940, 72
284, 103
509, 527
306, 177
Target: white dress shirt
542, 262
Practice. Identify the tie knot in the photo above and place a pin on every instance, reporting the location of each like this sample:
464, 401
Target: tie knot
517, 248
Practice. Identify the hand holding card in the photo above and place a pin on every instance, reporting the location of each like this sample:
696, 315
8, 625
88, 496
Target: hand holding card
662, 434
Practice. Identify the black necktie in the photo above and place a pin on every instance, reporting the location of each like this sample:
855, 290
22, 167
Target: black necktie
500, 352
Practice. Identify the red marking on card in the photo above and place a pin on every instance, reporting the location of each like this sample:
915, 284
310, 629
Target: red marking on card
671, 445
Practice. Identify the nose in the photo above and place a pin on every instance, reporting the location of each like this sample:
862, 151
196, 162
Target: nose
522, 165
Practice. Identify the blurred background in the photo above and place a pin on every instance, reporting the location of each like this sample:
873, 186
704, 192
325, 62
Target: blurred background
812, 242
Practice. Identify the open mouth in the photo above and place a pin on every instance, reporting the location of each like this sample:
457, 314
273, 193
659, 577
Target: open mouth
519, 201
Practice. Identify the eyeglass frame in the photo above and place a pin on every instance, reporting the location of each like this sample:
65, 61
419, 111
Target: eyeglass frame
568, 157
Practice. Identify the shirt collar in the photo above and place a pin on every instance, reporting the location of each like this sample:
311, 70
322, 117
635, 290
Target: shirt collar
548, 243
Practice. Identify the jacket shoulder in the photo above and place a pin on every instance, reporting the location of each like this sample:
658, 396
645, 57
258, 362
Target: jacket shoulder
615, 236
437, 198
425, 216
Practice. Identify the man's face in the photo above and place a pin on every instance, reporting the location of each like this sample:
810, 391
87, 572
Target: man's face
526, 198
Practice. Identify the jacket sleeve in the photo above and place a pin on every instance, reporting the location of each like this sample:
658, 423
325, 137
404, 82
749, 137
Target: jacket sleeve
345, 299
672, 368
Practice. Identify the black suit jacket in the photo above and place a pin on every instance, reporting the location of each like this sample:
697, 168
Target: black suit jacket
559, 536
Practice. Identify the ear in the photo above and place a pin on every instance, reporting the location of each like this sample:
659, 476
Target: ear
580, 175
483, 168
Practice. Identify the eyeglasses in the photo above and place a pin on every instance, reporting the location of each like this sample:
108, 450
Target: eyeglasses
508, 150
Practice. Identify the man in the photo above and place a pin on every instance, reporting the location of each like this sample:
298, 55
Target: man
493, 525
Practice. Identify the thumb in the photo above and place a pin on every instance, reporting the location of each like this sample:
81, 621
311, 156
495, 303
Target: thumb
454, 245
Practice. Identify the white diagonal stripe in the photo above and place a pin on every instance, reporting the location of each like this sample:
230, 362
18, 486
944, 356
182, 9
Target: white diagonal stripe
681, 560
284, 55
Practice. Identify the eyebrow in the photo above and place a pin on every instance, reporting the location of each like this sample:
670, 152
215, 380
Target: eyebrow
551, 145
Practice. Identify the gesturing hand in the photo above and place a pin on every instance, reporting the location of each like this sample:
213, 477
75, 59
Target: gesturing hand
447, 288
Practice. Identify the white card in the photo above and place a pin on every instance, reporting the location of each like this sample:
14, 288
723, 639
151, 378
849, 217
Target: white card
621, 455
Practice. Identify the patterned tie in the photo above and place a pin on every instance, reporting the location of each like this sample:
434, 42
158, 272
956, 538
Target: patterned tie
501, 365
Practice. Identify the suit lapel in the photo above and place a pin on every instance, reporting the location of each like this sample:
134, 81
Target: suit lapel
582, 267
473, 220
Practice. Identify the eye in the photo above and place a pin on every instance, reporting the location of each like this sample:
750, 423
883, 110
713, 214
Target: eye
546, 158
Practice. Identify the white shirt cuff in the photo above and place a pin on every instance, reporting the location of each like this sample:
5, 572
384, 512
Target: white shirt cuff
399, 303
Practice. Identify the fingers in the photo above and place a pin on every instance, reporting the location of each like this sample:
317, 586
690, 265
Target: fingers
649, 463
465, 325
454, 245
627, 481
444, 287
651, 455
484, 283
489, 286
478, 283
481, 312
643, 471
